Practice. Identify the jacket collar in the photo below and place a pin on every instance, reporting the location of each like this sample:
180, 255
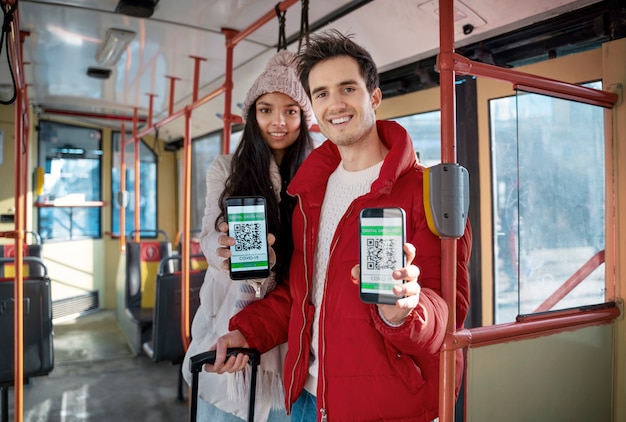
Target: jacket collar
323, 160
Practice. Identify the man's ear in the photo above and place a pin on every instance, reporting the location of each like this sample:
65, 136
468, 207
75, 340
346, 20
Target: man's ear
376, 98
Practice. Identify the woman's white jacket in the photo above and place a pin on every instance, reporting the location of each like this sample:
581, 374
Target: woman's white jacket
220, 299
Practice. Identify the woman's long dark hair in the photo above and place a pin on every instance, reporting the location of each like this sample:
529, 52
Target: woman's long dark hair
250, 176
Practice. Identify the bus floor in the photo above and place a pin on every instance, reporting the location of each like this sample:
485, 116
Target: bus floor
97, 378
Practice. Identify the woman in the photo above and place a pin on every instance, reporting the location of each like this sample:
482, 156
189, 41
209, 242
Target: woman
275, 141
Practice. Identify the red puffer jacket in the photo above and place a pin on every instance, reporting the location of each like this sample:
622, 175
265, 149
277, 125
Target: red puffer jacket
368, 371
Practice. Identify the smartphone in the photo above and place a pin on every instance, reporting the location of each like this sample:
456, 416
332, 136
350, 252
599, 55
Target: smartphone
247, 224
382, 236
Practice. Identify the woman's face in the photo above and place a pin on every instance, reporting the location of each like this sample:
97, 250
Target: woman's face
278, 116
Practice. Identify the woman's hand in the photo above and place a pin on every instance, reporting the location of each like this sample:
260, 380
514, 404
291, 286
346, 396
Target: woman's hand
232, 364
225, 242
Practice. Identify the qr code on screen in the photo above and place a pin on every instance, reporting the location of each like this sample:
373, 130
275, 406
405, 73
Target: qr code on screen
248, 237
381, 254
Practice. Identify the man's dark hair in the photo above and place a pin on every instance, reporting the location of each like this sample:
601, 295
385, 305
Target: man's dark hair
332, 43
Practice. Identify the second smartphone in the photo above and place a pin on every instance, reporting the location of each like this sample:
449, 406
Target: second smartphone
247, 224
382, 236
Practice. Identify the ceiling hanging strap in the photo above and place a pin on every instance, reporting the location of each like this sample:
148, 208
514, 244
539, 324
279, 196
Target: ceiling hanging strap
304, 25
282, 39
8, 9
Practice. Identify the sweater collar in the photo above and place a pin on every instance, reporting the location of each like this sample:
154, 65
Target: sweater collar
323, 160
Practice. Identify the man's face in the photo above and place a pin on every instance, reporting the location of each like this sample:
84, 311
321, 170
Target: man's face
344, 108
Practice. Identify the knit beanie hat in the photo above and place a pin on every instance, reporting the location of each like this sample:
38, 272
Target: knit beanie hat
280, 76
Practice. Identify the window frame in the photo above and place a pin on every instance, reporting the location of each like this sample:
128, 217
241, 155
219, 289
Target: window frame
115, 207
72, 201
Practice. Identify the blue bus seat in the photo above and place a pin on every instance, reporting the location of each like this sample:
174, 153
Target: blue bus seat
166, 343
142, 263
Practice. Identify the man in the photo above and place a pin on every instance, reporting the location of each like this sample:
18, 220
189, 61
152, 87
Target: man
348, 360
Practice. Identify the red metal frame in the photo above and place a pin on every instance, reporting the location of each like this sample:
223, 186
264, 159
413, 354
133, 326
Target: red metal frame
103, 116
525, 82
123, 188
185, 328
21, 133
447, 361
448, 62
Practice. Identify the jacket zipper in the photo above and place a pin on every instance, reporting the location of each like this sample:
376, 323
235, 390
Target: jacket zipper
303, 305
323, 325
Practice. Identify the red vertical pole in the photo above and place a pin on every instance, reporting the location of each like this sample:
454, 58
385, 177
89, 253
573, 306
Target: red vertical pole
18, 289
228, 89
196, 77
185, 259
123, 188
150, 109
173, 80
448, 246
25, 134
20, 107
137, 170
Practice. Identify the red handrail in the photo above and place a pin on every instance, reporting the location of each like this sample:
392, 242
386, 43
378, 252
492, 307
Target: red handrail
569, 285
535, 326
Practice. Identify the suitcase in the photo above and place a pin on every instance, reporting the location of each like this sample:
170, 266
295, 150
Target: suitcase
197, 362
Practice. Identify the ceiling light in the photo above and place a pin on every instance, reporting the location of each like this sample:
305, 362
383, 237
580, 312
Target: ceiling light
113, 46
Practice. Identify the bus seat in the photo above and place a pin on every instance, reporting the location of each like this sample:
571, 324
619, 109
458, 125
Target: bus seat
142, 263
7, 269
198, 261
166, 343
38, 346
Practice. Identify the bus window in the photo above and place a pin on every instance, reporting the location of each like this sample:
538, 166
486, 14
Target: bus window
147, 186
425, 131
548, 208
203, 150
71, 157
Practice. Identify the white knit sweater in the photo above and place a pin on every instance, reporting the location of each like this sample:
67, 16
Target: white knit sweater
342, 188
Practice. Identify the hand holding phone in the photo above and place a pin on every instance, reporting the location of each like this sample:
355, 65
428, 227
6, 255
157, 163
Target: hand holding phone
382, 236
247, 224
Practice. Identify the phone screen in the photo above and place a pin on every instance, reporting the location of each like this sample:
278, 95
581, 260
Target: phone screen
247, 225
381, 250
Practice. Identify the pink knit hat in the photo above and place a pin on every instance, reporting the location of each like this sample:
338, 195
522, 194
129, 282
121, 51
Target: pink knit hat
279, 76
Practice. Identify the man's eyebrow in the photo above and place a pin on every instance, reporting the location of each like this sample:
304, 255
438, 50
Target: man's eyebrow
340, 84
318, 89
348, 82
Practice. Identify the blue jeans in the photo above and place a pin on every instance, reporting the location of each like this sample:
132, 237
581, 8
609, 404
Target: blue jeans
207, 412
305, 408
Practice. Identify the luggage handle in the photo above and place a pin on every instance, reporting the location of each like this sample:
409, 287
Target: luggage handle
198, 361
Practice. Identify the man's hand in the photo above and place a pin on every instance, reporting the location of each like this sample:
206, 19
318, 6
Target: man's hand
408, 293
